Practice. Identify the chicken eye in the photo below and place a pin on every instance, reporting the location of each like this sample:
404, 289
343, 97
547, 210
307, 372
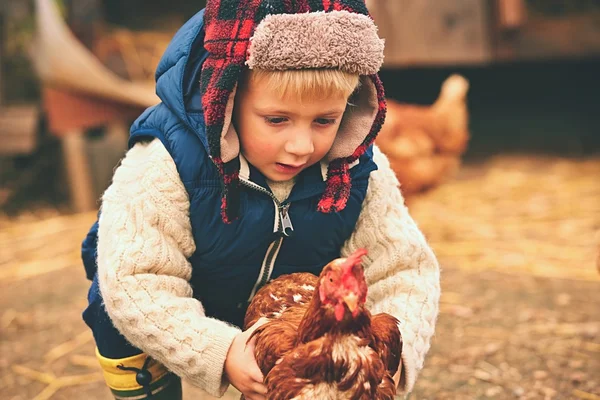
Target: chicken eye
331, 280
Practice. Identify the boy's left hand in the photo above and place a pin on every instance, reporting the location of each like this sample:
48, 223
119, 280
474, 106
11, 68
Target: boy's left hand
240, 365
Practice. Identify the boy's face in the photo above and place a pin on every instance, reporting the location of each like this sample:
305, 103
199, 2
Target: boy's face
282, 137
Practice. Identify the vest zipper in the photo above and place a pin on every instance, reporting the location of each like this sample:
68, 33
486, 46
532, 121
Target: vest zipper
282, 225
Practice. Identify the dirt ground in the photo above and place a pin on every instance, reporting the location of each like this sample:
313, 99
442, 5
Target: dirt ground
520, 310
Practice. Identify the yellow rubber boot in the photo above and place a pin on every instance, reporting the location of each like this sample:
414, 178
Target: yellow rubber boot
139, 377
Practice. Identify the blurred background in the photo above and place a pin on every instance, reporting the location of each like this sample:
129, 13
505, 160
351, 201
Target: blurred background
493, 130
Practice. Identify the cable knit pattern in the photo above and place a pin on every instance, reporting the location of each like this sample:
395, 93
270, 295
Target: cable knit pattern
401, 269
145, 240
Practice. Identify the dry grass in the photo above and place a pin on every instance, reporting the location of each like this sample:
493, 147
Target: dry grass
539, 216
517, 240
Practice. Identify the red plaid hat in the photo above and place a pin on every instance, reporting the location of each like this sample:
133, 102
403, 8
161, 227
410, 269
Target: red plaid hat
258, 33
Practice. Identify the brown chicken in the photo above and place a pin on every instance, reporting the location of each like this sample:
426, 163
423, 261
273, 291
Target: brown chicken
424, 143
321, 342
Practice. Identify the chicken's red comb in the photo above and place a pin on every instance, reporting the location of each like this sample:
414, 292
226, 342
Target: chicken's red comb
354, 258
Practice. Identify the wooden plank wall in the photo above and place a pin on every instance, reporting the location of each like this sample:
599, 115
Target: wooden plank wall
433, 32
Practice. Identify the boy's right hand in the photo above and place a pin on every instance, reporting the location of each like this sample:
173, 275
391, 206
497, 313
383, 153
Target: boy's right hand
241, 368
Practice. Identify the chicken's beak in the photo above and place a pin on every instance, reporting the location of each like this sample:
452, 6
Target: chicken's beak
351, 301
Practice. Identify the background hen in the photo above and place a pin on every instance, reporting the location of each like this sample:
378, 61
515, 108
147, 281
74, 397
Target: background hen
424, 143
321, 342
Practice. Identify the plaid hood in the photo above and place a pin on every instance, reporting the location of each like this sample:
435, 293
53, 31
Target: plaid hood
290, 34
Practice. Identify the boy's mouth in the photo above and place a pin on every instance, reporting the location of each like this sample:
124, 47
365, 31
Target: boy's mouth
288, 168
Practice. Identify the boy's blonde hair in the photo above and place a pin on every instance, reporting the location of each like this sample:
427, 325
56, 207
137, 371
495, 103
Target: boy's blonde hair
305, 84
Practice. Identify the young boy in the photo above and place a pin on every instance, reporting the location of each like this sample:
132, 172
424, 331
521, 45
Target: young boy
264, 168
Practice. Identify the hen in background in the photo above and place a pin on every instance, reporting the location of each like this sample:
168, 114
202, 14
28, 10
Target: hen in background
424, 143
322, 343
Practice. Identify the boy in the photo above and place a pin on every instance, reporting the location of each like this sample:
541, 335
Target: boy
265, 168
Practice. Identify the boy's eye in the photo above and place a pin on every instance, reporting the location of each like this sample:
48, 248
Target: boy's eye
275, 120
325, 121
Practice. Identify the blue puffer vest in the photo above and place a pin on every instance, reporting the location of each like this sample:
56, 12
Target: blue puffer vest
232, 260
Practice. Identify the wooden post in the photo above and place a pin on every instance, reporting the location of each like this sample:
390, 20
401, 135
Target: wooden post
512, 14
78, 170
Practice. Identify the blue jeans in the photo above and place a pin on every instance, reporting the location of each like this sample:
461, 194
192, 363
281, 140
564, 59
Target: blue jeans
109, 341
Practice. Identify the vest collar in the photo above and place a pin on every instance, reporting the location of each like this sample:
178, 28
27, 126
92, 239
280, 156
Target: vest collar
310, 182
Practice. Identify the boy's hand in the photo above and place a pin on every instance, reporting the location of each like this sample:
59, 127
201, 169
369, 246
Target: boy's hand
241, 368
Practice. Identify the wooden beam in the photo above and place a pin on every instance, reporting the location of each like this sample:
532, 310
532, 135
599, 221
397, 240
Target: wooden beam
78, 171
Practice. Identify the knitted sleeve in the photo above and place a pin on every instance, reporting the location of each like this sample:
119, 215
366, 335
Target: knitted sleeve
144, 242
401, 269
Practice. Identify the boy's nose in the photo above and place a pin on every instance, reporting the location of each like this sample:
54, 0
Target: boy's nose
300, 144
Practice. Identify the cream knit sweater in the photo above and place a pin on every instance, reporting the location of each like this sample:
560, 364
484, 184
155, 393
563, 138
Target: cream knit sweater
145, 240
